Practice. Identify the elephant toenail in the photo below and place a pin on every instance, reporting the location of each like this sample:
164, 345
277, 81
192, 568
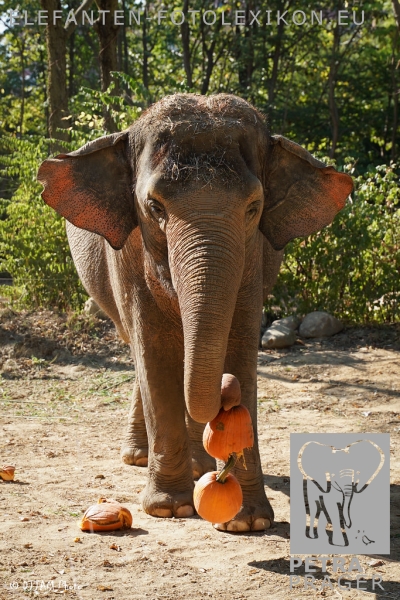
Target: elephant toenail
261, 524
165, 513
238, 526
220, 526
184, 511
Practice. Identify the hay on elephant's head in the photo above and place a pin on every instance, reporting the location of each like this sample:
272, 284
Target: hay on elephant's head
186, 117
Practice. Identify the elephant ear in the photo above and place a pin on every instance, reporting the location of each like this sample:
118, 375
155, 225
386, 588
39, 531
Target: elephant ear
367, 458
302, 194
92, 187
313, 461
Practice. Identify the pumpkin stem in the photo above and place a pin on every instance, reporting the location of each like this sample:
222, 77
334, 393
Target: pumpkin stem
228, 466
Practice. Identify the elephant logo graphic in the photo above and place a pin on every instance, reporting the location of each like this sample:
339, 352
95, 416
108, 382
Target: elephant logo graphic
330, 483
338, 481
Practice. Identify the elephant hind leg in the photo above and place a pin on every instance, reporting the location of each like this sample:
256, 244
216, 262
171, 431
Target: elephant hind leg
201, 461
134, 450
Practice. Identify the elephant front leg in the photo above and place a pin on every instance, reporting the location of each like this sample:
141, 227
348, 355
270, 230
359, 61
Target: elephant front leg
134, 450
159, 364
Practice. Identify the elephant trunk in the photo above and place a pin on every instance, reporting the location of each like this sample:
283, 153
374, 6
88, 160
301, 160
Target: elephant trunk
348, 496
206, 267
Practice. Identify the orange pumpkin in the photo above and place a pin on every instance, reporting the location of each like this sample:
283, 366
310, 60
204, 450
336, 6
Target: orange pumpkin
217, 501
106, 515
7, 473
230, 431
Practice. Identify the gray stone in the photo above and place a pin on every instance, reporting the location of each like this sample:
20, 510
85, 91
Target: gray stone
291, 322
92, 308
278, 336
319, 324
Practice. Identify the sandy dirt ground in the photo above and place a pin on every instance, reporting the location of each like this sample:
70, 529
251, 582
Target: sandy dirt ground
64, 392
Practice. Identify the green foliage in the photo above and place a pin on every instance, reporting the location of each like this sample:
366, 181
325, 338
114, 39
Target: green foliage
33, 242
352, 267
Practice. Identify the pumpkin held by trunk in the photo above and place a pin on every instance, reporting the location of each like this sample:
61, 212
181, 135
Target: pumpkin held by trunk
230, 431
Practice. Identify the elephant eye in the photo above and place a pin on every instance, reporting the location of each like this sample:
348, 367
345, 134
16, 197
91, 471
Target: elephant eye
252, 210
156, 209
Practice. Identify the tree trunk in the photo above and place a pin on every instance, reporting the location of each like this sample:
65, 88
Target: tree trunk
145, 67
396, 8
56, 38
395, 85
185, 35
107, 32
275, 60
56, 41
333, 69
22, 108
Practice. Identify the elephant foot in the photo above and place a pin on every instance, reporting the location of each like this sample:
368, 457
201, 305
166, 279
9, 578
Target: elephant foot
202, 463
132, 455
256, 514
247, 519
164, 505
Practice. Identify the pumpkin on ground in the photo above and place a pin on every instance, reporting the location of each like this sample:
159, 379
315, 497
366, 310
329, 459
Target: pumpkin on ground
230, 431
7, 473
217, 501
106, 515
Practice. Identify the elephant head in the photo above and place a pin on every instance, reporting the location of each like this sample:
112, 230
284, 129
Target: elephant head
206, 184
349, 470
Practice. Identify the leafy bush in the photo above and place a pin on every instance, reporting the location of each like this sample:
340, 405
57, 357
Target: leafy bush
352, 267
33, 241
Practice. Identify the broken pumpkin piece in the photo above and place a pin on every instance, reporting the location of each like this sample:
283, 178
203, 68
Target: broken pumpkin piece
106, 515
7, 473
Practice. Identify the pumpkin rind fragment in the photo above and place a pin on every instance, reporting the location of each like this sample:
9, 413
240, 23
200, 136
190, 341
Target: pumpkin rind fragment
7, 473
106, 515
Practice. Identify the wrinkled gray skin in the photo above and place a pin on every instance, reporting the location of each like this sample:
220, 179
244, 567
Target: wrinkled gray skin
176, 227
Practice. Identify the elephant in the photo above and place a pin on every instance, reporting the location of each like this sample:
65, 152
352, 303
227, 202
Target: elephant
331, 477
177, 227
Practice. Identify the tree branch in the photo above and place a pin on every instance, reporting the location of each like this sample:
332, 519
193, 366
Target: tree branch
70, 28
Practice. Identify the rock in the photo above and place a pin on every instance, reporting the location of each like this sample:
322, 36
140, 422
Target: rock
34, 346
278, 336
62, 355
319, 324
92, 308
10, 366
291, 322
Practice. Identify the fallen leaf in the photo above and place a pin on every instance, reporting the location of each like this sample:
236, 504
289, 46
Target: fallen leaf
104, 588
376, 563
115, 547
